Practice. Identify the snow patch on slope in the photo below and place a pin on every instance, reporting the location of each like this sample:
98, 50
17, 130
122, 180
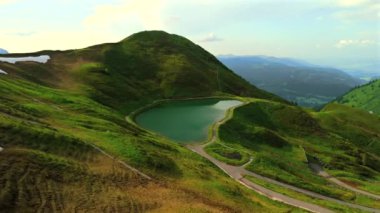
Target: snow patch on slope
2, 51
39, 59
3, 72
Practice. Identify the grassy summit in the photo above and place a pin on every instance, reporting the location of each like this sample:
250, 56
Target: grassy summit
366, 97
152, 65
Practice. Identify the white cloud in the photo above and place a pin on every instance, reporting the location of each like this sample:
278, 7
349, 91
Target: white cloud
352, 3
109, 22
320, 18
350, 42
134, 12
49, 40
6, 1
21, 33
173, 19
211, 37
365, 12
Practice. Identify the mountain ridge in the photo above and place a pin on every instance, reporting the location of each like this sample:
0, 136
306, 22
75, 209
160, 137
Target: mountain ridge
171, 66
53, 114
294, 80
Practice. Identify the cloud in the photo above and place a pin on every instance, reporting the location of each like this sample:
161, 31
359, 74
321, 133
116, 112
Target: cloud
144, 13
21, 33
320, 18
61, 40
173, 19
358, 10
352, 3
349, 42
368, 12
211, 37
6, 1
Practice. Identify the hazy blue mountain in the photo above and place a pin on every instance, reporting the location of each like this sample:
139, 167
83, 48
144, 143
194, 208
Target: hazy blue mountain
2, 51
294, 80
365, 75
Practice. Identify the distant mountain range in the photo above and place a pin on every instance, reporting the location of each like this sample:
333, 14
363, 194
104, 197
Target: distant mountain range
365, 75
295, 80
2, 51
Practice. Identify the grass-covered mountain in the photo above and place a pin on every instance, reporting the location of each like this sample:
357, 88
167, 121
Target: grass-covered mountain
52, 114
296, 81
153, 65
366, 97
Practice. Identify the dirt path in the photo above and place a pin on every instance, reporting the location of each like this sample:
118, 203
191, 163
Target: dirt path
238, 172
122, 162
319, 170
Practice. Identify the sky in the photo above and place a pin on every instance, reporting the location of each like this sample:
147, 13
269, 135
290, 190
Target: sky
340, 33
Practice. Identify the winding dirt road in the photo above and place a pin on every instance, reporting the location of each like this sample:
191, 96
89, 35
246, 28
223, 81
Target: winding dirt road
238, 172
319, 170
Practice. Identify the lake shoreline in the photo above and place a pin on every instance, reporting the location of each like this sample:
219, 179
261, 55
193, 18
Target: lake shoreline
131, 118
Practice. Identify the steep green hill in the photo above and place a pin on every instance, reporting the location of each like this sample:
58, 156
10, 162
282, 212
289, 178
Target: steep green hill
51, 116
54, 115
282, 140
153, 65
356, 125
365, 97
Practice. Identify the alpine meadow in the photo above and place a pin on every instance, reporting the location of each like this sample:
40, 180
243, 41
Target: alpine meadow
189, 113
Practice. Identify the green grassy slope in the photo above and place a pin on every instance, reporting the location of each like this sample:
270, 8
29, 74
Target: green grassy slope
281, 138
152, 64
51, 114
360, 132
365, 97
355, 125
48, 164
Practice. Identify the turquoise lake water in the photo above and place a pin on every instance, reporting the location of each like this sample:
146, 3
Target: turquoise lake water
185, 121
